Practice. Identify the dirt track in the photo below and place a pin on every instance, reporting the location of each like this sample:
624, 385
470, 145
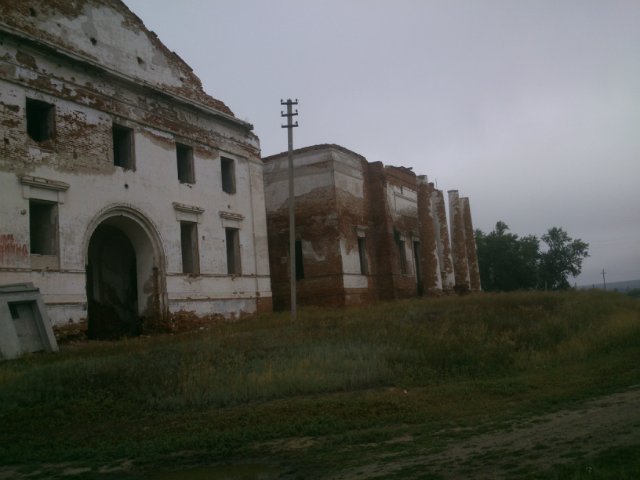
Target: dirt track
534, 443
530, 444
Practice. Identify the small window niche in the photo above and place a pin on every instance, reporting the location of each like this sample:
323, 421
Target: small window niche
43, 227
184, 157
123, 153
40, 120
228, 170
234, 266
189, 247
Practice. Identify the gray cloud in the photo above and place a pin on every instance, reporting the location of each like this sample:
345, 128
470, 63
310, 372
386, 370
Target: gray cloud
531, 108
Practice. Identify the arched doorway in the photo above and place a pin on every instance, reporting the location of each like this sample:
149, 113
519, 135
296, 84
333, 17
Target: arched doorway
124, 275
112, 285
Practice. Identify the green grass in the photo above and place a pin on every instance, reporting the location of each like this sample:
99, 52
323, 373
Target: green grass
346, 380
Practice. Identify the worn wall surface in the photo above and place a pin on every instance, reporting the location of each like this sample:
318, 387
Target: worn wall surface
428, 231
108, 34
402, 199
458, 243
369, 231
472, 255
354, 222
97, 65
441, 231
317, 228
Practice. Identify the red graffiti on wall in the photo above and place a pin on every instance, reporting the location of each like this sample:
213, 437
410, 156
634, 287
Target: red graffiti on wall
11, 252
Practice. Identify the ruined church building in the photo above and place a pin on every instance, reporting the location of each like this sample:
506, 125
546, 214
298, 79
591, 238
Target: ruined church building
128, 193
132, 199
364, 231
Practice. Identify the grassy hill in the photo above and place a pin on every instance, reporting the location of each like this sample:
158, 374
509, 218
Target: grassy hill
398, 386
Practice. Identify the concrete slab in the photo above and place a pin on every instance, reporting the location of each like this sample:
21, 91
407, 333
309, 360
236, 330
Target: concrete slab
24, 324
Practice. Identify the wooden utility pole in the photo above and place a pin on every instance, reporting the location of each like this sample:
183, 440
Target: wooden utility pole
292, 212
604, 280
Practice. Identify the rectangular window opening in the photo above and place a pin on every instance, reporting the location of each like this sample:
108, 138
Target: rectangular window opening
40, 120
228, 175
43, 228
189, 246
184, 155
299, 261
123, 147
233, 251
362, 252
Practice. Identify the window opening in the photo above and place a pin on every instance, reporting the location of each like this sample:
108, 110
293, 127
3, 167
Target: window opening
43, 227
299, 261
40, 120
362, 252
228, 175
233, 251
184, 155
189, 246
123, 147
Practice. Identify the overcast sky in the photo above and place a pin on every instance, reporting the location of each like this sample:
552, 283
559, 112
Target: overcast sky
529, 107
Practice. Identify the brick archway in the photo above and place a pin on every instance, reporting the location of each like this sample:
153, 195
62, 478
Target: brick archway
125, 281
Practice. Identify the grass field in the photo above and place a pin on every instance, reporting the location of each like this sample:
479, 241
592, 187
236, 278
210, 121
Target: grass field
524, 385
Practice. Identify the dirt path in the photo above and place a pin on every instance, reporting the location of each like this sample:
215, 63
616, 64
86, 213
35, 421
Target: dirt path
497, 451
534, 443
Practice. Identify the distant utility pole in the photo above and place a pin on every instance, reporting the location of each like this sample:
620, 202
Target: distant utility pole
604, 280
292, 212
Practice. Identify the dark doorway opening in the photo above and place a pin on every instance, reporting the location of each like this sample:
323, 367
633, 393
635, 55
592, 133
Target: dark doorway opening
112, 287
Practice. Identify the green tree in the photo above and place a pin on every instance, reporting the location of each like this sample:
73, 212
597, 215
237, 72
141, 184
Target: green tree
507, 262
563, 257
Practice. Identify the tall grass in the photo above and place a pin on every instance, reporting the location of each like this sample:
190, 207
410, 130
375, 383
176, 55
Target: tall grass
89, 391
410, 343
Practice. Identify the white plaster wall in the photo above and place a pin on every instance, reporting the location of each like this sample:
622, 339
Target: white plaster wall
348, 174
352, 277
111, 36
93, 90
259, 241
408, 252
151, 189
402, 201
447, 278
350, 258
355, 281
228, 308
437, 245
311, 171
14, 224
349, 178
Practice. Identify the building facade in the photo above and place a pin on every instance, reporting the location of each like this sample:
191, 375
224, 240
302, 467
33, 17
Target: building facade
364, 231
128, 195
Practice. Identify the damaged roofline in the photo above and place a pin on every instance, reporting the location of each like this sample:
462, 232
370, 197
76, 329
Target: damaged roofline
311, 148
56, 50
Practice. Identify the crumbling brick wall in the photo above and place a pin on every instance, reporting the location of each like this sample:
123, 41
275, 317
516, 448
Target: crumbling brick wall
344, 203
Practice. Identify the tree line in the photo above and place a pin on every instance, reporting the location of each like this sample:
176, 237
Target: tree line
508, 262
